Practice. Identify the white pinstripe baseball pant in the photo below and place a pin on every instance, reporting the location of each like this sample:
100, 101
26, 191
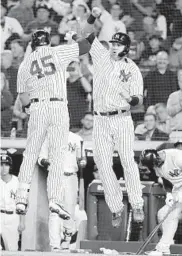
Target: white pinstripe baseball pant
116, 131
51, 119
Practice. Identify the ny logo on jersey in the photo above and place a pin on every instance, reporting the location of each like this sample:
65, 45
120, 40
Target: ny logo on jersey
124, 76
175, 173
12, 194
71, 147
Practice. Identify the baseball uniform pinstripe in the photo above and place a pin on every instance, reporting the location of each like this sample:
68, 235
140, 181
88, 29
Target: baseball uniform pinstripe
171, 170
110, 77
70, 185
43, 75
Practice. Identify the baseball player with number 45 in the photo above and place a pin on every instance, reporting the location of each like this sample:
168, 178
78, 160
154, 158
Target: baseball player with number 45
117, 85
167, 165
41, 84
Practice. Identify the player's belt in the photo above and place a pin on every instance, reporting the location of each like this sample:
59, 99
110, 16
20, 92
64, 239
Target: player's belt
51, 99
69, 173
7, 212
111, 113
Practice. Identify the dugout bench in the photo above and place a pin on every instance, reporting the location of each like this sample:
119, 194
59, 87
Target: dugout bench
100, 232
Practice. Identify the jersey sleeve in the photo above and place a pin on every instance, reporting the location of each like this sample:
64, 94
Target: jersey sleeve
178, 159
21, 82
67, 53
136, 81
97, 50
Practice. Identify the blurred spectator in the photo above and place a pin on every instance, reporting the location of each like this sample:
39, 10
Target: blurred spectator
103, 24
174, 106
161, 23
117, 24
12, 3
23, 12
18, 50
78, 89
61, 7
175, 56
86, 66
20, 117
135, 47
140, 9
152, 133
9, 71
166, 8
42, 21
81, 16
162, 117
9, 26
87, 127
177, 21
158, 84
81, 2
150, 53
6, 103
11, 224
148, 28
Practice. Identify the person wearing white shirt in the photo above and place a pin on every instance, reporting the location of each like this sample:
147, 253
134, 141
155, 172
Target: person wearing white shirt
8, 26
73, 159
10, 223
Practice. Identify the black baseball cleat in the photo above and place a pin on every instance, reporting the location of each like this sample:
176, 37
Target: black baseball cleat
138, 215
117, 219
63, 214
21, 208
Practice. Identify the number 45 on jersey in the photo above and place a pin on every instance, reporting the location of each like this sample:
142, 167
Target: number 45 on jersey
48, 68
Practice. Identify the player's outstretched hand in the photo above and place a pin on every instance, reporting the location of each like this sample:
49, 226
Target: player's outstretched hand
45, 163
169, 200
70, 36
96, 12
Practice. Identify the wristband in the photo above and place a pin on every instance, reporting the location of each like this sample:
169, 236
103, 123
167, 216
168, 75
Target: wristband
134, 101
91, 19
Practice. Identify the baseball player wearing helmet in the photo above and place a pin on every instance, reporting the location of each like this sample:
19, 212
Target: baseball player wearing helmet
72, 161
167, 165
41, 85
10, 223
117, 85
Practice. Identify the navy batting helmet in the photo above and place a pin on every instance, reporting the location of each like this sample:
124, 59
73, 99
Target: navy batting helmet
150, 158
40, 38
122, 39
5, 159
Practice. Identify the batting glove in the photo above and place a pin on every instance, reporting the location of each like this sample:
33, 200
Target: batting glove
169, 199
96, 12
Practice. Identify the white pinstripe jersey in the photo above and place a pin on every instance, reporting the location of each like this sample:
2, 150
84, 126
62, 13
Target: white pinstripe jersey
43, 73
110, 77
171, 170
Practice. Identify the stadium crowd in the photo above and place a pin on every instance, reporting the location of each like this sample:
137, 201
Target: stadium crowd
155, 29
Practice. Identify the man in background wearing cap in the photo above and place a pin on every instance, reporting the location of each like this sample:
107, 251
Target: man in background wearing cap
42, 21
9, 26
10, 223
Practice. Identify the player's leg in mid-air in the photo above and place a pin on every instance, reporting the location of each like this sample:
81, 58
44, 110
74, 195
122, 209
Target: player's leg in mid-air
124, 139
38, 123
58, 140
103, 157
